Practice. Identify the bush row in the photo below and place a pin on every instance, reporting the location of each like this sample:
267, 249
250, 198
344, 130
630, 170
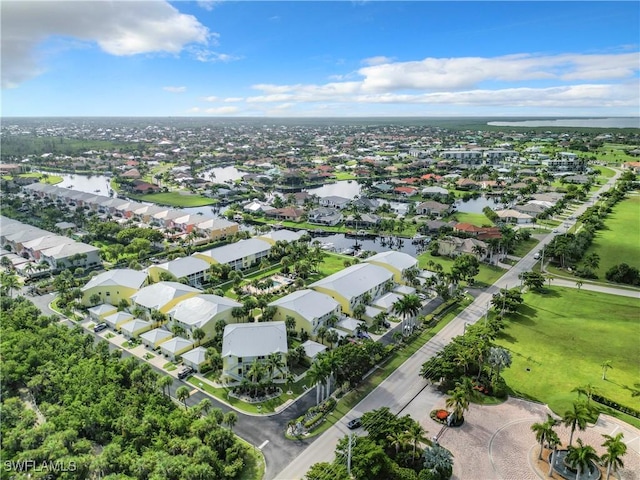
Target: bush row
616, 406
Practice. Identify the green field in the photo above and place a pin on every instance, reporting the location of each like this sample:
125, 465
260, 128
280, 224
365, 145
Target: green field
477, 219
562, 337
175, 199
50, 179
487, 276
615, 154
619, 241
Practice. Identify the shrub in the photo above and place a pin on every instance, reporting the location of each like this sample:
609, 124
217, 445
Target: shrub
616, 406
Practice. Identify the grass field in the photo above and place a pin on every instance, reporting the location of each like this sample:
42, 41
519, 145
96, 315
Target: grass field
620, 240
615, 154
525, 247
560, 340
478, 219
50, 179
487, 276
175, 199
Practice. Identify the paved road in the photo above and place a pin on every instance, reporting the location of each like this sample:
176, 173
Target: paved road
594, 287
404, 387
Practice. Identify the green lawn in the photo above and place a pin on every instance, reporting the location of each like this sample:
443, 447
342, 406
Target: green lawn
477, 219
254, 464
487, 276
525, 247
345, 176
50, 179
175, 199
560, 340
620, 240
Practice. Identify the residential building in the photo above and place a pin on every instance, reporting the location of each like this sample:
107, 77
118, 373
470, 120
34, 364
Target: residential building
192, 269
514, 216
396, 262
113, 286
288, 214
239, 255
244, 343
324, 216
162, 296
203, 311
454, 246
175, 347
282, 235
135, 327
153, 338
196, 358
433, 208
309, 308
351, 286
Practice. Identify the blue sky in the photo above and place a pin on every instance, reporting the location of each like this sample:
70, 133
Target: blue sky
309, 59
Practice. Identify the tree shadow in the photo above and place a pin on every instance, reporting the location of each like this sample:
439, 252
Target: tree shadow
507, 337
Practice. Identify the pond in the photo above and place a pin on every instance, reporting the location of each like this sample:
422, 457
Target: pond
84, 183
475, 205
222, 174
342, 188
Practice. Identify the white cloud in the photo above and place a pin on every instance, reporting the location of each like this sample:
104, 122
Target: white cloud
118, 28
222, 110
208, 5
377, 60
175, 89
233, 99
203, 54
210, 99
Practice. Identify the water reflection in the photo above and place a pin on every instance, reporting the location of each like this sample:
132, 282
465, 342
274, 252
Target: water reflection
475, 205
341, 188
339, 243
98, 184
222, 174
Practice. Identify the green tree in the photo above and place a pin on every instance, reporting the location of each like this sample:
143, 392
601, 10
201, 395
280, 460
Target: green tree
543, 431
198, 334
438, 461
165, 382
459, 401
581, 457
407, 308
606, 365
577, 417
616, 449
182, 393
230, 419
417, 434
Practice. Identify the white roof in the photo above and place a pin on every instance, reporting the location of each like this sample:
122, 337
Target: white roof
283, 235
153, 336
237, 250
355, 280
309, 304
134, 325
215, 224
349, 324
404, 290
387, 300
200, 309
67, 250
118, 317
184, 266
254, 339
371, 312
312, 349
398, 260
176, 344
197, 356
512, 214
161, 293
102, 309
121, 277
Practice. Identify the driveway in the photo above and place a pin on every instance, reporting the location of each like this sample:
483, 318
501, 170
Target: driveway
496, 442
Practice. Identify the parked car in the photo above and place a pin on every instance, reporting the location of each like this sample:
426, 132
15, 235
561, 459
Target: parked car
355, 423
386, 324
537, 255
555, 230
185, 372
99, 327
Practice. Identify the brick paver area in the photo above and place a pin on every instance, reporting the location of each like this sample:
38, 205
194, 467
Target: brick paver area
496, 442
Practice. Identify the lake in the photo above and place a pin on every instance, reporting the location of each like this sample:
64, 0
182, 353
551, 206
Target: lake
84, 183
222, 174
475, 205
613, 122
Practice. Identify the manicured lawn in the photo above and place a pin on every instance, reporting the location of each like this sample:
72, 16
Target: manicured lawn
560, 340
620, 240
525, 247
175, 199
477, 219
488, 273
345, 176
606, 172
50, 179
254, 464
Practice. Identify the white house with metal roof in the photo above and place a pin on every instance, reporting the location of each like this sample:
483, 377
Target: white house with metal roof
195, 358
98, 312
135, 327
239, 255
282, 235
396, 262
242, 343
117, 319
153, 338
350, 286
203, 311
162, 296
309, 308
193, 269
175, 347
113, 285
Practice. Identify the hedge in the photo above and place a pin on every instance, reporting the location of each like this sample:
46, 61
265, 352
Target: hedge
616, 406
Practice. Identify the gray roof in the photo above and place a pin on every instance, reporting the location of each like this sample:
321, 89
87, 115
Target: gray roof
134, 325
395, 259
387, 300
153, 336
309, 304
283, 235
184, 266
238, 250
197, 356
161, 293
67, 250
355, 280
118, 317
175, 344
102, 309
313, 349
254, 339
200, 309
124, 277
349, 324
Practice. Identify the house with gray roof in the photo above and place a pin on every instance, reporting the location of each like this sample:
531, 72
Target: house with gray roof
309, 308
396, 262
162, 296
202, 311
239, 255
113, 285
192, 269
153, 338
175, 347
324, 216
196, 358
244, 343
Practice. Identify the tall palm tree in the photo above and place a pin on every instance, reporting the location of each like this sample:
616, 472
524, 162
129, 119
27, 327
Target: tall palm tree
543, 430
274, 364
407, 307
459, 401
581, 457
587, 390
417, 434
606, 365
9, 282
255, 373
317, 374
230, 419
616, 448
499, 358
553, 440
182, 393
165, 382
577, 417
397, 440
198, 334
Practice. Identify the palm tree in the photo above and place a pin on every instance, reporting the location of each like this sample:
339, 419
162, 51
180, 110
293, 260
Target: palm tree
543, 431
165, 382
182, 393
553, 440
317, 374
606, 365
198, 334
255, 373
332, 337
397, 440
417, 434
459, 401
499, 358
577, 417
579, 284
407, 307
321, 333
616, 448
230, 419
581, 457
274, 364
9, 282
587, 390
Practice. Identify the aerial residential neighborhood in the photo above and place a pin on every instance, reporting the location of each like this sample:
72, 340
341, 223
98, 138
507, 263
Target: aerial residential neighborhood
330, 292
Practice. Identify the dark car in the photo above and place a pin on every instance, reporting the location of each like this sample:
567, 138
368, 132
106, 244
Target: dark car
355, 423
99, 327
386, 324
185, 372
